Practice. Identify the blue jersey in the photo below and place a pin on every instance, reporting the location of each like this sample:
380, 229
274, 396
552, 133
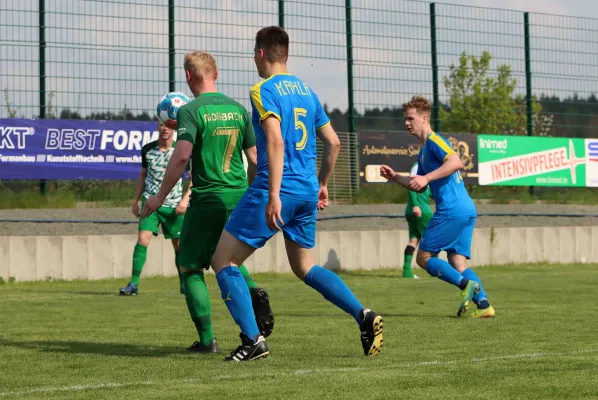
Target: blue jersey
300, 113
449, 193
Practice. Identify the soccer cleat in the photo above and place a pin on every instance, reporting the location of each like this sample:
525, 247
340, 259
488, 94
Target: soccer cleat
197, 347
130, 290
248, 350
263, 313
467, 294
485, 313
371, 332
409, 275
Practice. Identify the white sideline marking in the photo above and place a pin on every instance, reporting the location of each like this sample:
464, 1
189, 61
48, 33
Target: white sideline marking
115, 385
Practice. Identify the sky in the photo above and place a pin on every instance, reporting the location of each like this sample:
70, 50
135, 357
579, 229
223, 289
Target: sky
104, 55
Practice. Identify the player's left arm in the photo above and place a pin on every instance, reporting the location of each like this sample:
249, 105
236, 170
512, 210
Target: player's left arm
249, 148
451, 163
187, 130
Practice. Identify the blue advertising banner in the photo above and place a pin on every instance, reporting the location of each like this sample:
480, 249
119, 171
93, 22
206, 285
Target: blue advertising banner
72, 149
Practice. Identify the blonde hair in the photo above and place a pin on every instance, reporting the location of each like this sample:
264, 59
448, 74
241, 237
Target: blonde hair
420, 103
200, 64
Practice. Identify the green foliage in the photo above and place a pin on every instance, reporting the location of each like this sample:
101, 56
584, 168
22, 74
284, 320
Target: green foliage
482, 101
65, 194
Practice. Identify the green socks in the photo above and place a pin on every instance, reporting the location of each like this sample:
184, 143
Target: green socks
247, 277
139, 256
198, 303
408, 257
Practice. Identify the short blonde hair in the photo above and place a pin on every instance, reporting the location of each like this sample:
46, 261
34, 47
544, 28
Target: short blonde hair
420, 103
200, 64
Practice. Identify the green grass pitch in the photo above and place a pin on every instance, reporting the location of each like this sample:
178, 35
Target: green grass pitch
75, 340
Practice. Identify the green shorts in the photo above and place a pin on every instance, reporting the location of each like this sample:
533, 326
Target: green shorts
200, 235
417, 226
167, 217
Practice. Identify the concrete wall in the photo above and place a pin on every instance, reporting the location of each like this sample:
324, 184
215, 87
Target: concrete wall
98, 257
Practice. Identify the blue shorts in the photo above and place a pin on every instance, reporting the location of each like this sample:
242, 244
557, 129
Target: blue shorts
248, 220
451, 235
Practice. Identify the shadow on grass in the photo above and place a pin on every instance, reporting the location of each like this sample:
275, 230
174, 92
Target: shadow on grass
107, 349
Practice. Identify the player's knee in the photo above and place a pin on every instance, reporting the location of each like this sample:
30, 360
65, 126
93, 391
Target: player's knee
144, 238
422, 258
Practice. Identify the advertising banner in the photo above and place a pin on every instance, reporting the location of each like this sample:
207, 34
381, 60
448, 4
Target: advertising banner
399, 150
73, 149
537, 161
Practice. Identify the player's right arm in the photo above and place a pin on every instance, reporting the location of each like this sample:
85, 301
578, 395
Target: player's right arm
389, 173
332, 146
269, 110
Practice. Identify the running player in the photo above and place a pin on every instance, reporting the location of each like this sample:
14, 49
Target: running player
154, 159
451, 227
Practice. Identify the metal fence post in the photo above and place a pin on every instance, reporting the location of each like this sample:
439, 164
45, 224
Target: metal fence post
281, 13
528, 83
351, 100
171, 48
42, 74
436, 106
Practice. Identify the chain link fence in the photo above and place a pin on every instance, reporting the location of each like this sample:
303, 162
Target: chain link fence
487, 70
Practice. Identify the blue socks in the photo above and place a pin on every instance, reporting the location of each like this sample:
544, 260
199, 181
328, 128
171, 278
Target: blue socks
332, 287
235, 294
480, 299
443, 270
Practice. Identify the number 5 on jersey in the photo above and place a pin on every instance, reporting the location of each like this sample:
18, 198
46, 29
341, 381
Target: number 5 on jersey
301, 112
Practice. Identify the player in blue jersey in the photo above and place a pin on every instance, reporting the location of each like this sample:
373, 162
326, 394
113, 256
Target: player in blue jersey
451, 227
285, 196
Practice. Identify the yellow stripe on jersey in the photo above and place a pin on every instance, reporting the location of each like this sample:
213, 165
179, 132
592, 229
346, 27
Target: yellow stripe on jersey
320, 127
256, 96
442, 144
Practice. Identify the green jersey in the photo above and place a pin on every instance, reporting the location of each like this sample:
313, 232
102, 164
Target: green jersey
219, 129
421, 200
155, 162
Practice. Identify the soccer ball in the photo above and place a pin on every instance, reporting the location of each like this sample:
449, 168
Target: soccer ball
168, 108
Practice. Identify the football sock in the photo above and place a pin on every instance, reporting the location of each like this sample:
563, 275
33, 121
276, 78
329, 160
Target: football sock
237, 299
139, 256
198, 303
178, 268
480, 299
247, 277
408, 256
332, 287
443, 270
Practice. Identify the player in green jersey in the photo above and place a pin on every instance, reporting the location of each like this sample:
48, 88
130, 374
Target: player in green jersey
213, 131
417, 213
154, 159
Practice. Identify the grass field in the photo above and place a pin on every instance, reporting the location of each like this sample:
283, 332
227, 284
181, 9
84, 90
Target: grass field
73, 340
